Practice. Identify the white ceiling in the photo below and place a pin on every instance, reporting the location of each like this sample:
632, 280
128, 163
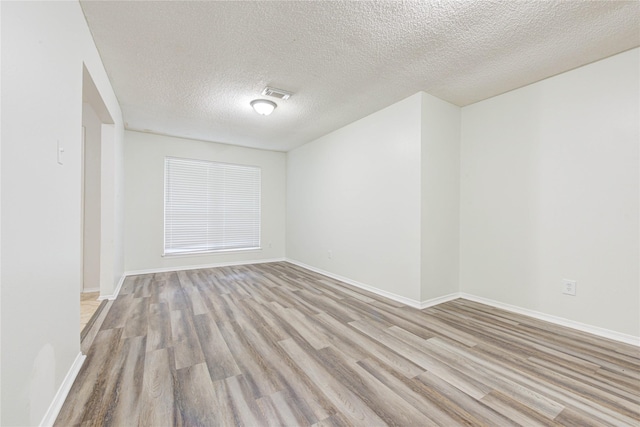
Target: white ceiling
190, 69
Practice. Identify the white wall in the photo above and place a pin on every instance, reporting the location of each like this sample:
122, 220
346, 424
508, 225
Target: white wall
91, 193
550, 191
0, 221
44, 45
144, 199
106, 179
117, 245
440, 192
111, 209
356, 192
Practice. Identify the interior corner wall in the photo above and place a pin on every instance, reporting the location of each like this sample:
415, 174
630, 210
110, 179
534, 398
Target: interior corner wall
111, 242
353, 201
91, 193
44, 46
550, 191
440, 196
106, 140
0, 220
144, 200
118, 206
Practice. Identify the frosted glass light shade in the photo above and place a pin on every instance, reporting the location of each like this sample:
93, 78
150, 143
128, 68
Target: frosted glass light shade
263, 107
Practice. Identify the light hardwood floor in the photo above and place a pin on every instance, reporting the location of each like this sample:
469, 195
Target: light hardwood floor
274, 344
88, 305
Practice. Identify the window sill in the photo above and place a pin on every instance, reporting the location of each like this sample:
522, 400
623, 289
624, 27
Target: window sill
209, 253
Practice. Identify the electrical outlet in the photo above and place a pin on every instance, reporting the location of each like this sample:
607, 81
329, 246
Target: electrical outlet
329, 254
569, 287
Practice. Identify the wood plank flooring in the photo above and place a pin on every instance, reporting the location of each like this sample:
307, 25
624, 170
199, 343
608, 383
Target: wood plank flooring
275, 344
88, 305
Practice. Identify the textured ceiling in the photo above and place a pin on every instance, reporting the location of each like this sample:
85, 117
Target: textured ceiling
190, 69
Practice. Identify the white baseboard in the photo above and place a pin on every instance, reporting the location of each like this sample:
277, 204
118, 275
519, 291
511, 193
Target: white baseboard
198, 267
399, 298
595, 330
89, 290
115, 293
181, 268
439, 300
58, 400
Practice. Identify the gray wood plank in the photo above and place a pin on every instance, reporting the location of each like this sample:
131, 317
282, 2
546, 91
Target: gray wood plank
275, 344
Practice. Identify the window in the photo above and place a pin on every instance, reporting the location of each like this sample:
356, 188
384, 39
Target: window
210, 206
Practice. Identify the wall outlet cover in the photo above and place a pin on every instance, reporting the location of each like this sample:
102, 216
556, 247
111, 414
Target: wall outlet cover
569, 287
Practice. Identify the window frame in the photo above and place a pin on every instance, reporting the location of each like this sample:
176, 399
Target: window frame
167, 251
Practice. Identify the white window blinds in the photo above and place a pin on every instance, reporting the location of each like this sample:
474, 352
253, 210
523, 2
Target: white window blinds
210, 206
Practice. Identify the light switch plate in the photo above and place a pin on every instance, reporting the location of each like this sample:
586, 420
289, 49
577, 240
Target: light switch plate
60, 154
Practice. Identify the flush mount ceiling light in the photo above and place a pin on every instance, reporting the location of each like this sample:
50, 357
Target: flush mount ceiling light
263, 106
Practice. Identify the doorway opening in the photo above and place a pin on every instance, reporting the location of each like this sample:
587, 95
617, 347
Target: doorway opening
97, 126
